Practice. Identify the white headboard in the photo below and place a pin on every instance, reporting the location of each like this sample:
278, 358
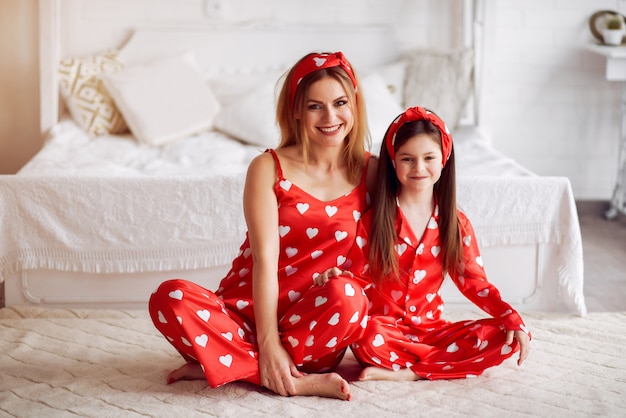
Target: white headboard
261, 46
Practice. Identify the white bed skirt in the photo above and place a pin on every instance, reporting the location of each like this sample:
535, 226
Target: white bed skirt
527, 228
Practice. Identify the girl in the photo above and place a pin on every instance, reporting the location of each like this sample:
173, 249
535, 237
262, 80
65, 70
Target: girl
267, 323
417, 238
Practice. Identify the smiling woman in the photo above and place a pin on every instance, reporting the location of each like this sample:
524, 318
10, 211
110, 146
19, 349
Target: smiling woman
301, 202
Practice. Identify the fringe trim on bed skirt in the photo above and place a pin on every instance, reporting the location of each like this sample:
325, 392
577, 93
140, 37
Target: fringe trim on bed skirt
134, 261
489, 235
117, 261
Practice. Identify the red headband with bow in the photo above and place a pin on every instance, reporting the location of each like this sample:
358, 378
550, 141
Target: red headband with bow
414, 114
314, 62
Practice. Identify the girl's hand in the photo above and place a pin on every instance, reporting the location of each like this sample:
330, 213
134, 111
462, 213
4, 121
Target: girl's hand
322, 279
524, 343
277, 370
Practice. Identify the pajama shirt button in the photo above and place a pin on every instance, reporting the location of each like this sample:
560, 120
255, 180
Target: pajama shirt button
412, 308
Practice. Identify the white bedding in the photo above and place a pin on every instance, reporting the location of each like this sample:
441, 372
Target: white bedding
182, 210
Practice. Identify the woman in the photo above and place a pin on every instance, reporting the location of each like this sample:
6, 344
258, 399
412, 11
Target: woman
268, 323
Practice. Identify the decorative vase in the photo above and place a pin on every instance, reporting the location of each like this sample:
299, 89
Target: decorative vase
612, 36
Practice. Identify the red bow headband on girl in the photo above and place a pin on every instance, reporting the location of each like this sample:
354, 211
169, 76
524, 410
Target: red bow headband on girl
314, 62
414, 114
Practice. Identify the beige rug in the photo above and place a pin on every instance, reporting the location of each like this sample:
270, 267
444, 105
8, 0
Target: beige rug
110, 363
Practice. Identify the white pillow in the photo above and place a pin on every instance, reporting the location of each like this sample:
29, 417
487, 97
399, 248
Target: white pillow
164, 100
382, 108
393, 75
252, 117
228, 88
440, 81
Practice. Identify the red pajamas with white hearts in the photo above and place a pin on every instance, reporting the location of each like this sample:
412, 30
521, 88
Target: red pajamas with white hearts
316, 324
405, 329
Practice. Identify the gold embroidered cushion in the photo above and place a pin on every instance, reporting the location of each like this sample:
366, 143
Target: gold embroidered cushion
88, 101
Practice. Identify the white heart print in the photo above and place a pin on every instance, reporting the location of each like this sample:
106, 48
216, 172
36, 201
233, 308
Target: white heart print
316, 254
312, 232
293, 341
334, 320
332, 342
226, 360
360, 241
228, 335
162, 318
293, 295
176, 294
378, 340
302, 207
340, 235
355, 318
349, 290
201, 340
452, 348
291, 251
283, 230
401, 248
320, 300
319, 61
330, 210
203, 314
285, 184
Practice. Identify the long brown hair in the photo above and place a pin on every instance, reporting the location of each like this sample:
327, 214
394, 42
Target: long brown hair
383, 259
292, 131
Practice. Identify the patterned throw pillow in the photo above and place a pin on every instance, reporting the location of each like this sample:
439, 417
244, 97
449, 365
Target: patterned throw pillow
88, 101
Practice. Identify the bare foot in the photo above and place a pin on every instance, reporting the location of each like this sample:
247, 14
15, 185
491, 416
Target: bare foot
188, 371
329, 385
378, 373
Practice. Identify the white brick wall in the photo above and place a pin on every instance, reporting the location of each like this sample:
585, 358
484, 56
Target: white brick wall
550, 106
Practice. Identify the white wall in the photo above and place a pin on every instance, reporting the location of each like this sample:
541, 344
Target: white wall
551, 107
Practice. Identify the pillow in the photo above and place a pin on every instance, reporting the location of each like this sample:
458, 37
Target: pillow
394, 75
229, 88
252, 117
382, 108
88, 101
439, 81
163, 100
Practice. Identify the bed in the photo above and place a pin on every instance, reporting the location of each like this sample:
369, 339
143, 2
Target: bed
102, 214
84, 239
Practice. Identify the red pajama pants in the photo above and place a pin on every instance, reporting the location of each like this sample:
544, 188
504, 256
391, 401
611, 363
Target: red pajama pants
448, 351
315, 330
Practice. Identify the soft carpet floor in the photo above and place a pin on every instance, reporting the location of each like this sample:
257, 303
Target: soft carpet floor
112, 363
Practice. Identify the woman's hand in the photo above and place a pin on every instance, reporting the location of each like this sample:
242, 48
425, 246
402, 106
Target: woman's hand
322, 279
524, 343
277, 370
